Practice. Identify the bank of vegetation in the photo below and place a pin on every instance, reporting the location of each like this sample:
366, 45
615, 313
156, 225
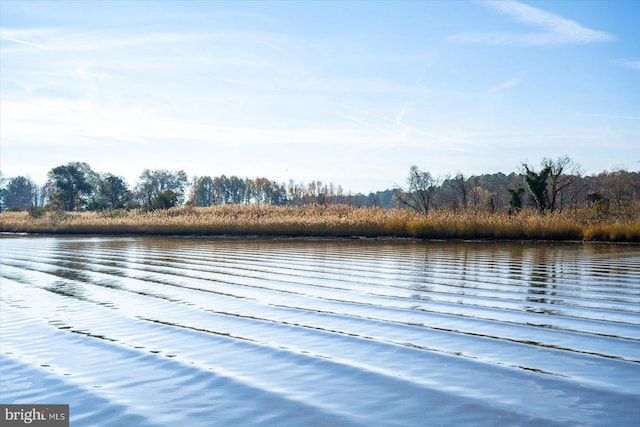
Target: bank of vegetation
328, 221
552, 202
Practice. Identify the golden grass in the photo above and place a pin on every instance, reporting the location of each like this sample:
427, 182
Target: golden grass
327, 221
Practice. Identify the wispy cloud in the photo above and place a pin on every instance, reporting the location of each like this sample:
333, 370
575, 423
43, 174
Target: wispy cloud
550, 29
634, 64
8, 38
501, 87
252, 85
613, 116
247, 99
64, 40
363, 120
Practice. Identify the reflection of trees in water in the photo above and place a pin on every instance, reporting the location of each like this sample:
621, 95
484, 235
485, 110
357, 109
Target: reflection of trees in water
74, 267
72, 271
540, 274
466, 265
73, 277
68, 289
547, 265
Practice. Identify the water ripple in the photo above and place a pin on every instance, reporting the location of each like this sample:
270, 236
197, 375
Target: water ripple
166, 331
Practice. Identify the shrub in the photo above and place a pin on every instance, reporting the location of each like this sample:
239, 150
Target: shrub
36, 212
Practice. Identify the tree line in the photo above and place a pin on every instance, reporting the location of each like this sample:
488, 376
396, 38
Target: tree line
556, 185
77, 187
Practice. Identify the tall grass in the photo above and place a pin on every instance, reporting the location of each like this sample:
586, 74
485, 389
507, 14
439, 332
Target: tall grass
328, 221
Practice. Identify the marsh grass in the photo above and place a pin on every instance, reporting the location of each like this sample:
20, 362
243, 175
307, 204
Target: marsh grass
328, 221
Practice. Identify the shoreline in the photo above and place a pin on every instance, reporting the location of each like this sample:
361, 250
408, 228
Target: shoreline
315, 238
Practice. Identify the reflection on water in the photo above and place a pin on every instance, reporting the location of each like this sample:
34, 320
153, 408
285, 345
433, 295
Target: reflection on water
67, 289
457, 333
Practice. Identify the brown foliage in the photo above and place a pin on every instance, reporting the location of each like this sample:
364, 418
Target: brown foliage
332, 221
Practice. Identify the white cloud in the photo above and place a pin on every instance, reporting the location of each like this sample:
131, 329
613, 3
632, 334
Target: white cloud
550, 29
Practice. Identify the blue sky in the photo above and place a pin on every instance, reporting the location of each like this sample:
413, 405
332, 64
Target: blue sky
348, 92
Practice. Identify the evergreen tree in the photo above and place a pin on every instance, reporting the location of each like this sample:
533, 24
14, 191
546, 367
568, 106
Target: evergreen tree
537, 185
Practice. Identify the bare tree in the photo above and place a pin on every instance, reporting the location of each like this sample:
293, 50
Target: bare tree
476, 191
461, 184
619, 188
548, 186
562, 173
419, 195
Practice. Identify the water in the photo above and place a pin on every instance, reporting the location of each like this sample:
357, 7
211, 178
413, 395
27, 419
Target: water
230, 332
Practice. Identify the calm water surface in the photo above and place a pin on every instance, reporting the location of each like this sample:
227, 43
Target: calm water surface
240, 332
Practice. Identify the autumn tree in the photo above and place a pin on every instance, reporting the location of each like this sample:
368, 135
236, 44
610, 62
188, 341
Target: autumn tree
295, 192
620, 187
266, 192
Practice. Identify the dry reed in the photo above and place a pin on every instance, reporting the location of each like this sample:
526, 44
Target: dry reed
327, 221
